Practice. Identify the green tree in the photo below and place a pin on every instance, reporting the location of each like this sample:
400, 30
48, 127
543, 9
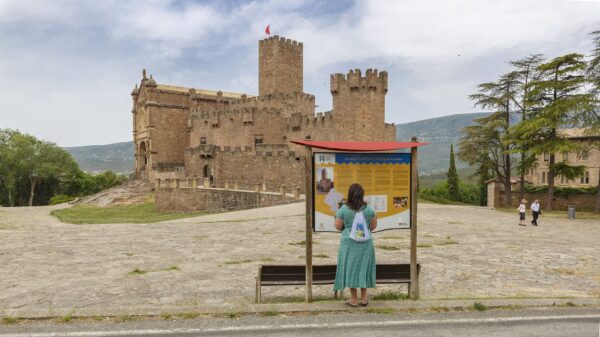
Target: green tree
452, 175
593, 75
526, 70
559, 101
483, 172
484, 143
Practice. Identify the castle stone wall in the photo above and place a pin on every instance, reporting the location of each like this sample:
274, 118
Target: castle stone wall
215, 200
271, 165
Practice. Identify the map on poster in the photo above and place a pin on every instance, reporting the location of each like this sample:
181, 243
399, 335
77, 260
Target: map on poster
385, 177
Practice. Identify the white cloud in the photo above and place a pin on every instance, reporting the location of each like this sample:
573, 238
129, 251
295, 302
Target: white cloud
433, 31
81, 58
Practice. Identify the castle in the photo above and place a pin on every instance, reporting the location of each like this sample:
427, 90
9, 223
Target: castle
244, 140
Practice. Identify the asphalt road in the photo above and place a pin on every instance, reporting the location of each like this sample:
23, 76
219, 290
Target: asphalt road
580, 322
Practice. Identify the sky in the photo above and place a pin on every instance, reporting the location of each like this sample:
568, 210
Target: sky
67, 67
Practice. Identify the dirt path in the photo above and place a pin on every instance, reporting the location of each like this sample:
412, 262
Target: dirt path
212, 260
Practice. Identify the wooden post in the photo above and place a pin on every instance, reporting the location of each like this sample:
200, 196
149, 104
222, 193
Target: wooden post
157, 184
414, 273
296, 192
309, 214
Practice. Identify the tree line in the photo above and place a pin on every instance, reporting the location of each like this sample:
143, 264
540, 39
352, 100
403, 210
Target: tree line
37, 172
530, 108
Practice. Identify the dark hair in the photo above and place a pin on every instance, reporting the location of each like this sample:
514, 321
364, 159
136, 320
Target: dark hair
356, 197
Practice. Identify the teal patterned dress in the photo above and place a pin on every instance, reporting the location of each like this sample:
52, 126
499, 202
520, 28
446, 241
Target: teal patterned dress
356, 260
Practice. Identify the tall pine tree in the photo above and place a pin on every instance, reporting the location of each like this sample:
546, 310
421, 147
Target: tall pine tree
526, 69
489, 133
559, 101
452, 177
593, 75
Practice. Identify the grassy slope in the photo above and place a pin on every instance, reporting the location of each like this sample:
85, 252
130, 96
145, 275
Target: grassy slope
145, 213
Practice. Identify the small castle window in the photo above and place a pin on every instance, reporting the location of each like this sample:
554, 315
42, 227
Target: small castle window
543, 177
583, 155
202, 140
586, 178
258, 139
565, 156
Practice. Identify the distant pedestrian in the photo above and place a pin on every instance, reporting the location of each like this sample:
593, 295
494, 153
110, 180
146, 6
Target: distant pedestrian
536, 211
356, 255
522, 208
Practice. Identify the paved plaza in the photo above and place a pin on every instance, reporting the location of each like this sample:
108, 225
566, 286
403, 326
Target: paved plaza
212, 261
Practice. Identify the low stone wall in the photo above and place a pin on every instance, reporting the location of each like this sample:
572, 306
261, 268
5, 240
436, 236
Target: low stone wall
582, 202
216, 199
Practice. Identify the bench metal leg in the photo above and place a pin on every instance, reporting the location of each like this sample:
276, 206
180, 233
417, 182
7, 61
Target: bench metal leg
335, 294
258, 294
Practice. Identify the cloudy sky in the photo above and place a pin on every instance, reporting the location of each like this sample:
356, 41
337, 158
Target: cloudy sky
67, 67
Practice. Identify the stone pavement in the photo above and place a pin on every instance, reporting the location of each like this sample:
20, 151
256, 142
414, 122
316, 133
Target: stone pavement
210, 262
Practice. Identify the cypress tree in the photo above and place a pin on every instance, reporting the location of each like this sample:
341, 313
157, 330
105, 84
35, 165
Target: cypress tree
452, 177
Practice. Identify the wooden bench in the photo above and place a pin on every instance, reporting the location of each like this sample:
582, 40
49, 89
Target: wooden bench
279, 275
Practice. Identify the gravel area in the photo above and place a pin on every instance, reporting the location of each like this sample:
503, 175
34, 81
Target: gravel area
212, 260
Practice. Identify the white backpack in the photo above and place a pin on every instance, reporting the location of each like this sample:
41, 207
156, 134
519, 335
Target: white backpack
360, 231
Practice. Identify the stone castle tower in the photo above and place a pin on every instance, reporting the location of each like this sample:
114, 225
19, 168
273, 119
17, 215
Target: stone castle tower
280, 67
244, 140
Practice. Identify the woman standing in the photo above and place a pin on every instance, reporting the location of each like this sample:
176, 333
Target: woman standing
522, 208
356, 260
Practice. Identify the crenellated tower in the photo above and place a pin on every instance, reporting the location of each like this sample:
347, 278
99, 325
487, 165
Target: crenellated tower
280, 66
359, 103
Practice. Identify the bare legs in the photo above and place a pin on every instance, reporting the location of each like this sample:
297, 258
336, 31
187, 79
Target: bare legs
354, 294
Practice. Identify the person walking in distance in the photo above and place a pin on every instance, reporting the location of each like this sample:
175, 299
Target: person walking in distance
522, 208
535, 210
356, 255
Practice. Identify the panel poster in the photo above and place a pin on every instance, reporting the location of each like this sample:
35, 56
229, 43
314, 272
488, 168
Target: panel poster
385, 178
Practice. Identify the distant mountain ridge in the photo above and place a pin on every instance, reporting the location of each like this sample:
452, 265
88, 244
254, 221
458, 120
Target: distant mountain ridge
440, 132
433, 158
116, 157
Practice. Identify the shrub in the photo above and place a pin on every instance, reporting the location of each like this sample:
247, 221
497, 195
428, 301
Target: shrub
60, 199
467, 193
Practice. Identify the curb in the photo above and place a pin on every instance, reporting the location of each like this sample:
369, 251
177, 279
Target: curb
295, 308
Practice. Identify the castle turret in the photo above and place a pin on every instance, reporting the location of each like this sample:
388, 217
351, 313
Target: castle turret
280, 66
359, 103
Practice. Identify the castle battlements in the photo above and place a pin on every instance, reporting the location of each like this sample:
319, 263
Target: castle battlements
297, 96
281, 41
232, 113
373, 80
270, 150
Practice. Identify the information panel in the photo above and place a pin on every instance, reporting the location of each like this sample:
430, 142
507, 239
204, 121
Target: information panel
385, 177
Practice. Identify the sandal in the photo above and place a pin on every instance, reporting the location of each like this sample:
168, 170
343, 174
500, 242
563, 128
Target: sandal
350, 304
364, 304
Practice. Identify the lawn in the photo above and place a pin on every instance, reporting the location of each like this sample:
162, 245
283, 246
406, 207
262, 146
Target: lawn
145, 213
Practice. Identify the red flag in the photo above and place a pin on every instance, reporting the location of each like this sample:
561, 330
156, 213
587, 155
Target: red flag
268, 30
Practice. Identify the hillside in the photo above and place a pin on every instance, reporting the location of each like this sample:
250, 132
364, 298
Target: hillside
117, 157
433, 158
440, 132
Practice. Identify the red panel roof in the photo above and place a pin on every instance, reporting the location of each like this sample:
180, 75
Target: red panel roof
358, 146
